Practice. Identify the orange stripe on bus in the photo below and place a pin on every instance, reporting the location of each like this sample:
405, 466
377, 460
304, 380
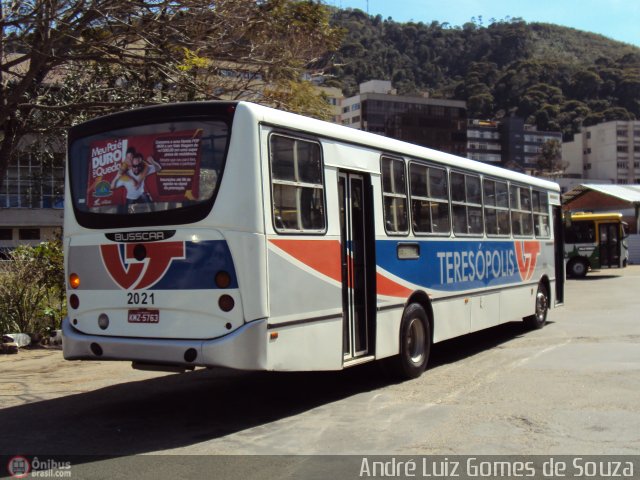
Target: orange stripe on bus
324, 257
321, 255
388, 287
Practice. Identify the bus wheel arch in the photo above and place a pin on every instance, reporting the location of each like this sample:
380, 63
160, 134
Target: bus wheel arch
541, 306
423, 300
578, 267
415, 337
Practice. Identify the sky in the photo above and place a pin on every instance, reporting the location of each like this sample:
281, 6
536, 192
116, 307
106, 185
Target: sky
616, 19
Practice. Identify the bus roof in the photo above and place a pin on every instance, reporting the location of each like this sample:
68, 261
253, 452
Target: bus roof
292, 121
325, 129
595, 216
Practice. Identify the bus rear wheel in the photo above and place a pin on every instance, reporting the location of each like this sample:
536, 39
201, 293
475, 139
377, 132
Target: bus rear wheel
539, 318
578, 268
415, 344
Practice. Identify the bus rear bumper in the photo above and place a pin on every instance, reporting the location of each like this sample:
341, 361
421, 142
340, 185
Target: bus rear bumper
244, 349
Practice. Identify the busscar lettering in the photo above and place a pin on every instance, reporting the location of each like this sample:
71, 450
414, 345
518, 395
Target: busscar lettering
138, 236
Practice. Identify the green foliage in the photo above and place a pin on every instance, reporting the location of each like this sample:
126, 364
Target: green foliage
554, 76
301, 97
549, 159
32, 296
63, 62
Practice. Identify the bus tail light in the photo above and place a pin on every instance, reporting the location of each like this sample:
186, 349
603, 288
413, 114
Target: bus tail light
226, 303
74, 301
223, 279
74, 280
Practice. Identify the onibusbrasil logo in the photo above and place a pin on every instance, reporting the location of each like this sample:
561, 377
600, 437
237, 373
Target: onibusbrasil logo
19, 467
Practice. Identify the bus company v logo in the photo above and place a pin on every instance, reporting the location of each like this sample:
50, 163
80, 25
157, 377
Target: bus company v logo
527, 255
128, 272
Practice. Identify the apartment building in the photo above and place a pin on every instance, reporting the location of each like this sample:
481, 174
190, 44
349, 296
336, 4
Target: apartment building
430, 122
442, 125
334, 97
608, 152
508, 142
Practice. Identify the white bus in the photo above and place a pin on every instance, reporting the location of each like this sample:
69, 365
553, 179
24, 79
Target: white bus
232, 234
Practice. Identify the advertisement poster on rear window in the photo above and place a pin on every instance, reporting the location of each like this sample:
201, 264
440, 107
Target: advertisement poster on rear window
145, 168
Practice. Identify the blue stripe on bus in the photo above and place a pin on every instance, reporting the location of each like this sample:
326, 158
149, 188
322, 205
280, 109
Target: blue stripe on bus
452, 265
197, 271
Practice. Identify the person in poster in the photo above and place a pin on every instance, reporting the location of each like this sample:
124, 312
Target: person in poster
119, 167
132, 176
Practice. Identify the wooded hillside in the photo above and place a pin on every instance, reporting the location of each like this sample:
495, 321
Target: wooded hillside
555, 77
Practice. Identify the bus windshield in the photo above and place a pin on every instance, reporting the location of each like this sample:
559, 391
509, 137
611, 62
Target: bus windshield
145, 169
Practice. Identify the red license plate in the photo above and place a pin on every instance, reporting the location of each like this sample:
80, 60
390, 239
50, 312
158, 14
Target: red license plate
144, 316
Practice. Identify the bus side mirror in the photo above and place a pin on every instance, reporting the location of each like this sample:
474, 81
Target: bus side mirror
625, 230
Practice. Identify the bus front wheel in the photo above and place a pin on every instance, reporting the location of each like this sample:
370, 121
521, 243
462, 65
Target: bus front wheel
415, 343
578, 268
539, 318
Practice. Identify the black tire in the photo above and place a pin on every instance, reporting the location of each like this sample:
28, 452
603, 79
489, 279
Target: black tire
539, 318
415, 344
578, 268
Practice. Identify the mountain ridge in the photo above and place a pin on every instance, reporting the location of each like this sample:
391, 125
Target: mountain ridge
558, 78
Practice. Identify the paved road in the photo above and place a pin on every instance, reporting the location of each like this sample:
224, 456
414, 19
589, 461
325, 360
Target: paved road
570, 388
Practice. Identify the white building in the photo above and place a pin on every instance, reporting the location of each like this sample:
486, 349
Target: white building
605, 153
31, 201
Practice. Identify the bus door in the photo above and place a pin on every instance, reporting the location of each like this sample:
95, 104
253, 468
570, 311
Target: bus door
558, 234
609, 244
358, 264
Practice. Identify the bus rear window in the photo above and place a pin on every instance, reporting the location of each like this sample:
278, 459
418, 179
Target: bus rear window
142, 170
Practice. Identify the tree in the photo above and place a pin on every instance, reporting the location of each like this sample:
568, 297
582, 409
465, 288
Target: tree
67, 60
32, 289
549, 160
507, 67
480, 105
585, 84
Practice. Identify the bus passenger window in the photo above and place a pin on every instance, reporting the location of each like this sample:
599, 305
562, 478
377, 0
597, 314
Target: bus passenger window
429, 199
297, 185
521, 215
496, 208
580, 232
394, 193
541, 214
467, 204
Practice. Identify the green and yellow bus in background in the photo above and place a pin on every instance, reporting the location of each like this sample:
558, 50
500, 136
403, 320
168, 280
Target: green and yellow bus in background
593, 241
